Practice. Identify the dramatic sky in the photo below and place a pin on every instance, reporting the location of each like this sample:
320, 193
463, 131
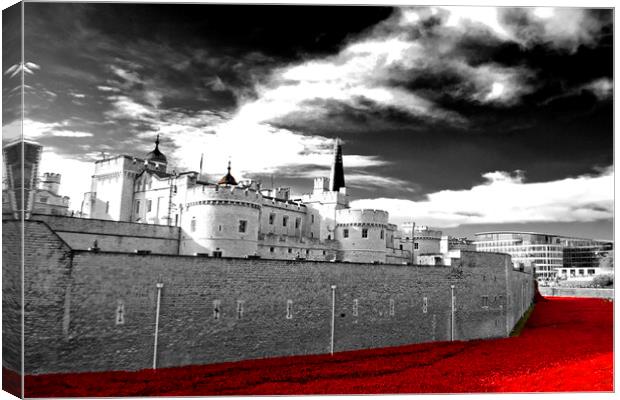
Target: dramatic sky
462, 118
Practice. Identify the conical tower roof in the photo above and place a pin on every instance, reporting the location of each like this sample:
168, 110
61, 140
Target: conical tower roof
337, 175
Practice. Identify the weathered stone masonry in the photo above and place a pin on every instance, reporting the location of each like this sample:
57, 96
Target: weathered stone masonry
89, 311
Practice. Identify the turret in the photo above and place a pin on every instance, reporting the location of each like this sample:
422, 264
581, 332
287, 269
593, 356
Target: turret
50, 182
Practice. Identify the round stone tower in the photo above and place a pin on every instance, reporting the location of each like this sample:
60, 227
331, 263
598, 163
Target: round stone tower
362, 235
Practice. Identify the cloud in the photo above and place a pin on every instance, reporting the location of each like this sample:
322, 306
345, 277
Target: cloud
70, 133
564, 28
602, 88
508, 198
34, 130
130, 77
125, 107
108, 89
12, 131
411, 61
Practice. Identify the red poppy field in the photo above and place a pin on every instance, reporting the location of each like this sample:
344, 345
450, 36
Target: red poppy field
566, 345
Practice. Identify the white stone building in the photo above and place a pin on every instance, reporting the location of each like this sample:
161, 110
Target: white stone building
239, 219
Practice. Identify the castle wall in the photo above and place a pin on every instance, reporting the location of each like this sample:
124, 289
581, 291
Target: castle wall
12, 295
80, 233
226, 309
47, 277
291, 248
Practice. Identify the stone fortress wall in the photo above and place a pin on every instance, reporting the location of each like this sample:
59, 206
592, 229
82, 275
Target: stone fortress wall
95, 311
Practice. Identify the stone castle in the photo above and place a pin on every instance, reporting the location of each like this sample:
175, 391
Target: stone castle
170, 270
239, 219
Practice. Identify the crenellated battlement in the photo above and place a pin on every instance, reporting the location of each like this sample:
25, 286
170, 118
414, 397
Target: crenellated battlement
362, 216
51, 177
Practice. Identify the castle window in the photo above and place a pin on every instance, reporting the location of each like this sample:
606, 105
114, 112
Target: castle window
242, 226
43, 199
382, 233
485, 301
219, 228
355, 307
107, 206
401, 246
284, 220
307, 251
323, 252
271, 249
216, 309
415, 246
289, 309
120, 313
290, 250
272, 218
297, 223
240, 309
345, 233
392, 307
312, 219
192, 225
149, 204
365, 232
425, 305
311, 235
329, 237
137, 206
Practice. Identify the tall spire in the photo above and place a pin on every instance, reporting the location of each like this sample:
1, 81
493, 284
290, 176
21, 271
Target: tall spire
337, 174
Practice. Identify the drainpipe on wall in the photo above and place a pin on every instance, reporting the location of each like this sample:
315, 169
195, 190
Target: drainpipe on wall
331, 348
452, 312
159, 286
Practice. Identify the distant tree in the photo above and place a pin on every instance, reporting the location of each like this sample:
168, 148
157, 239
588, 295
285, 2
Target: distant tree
603, 281
607, 262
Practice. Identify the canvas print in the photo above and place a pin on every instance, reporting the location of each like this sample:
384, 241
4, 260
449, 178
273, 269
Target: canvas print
228, 199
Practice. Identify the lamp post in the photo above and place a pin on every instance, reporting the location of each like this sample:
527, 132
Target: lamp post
412, 242
331, 348
159, 286
452, 312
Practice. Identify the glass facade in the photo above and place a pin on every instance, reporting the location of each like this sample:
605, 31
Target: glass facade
547, 253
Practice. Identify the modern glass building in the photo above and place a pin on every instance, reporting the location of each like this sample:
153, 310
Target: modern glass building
548, 253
